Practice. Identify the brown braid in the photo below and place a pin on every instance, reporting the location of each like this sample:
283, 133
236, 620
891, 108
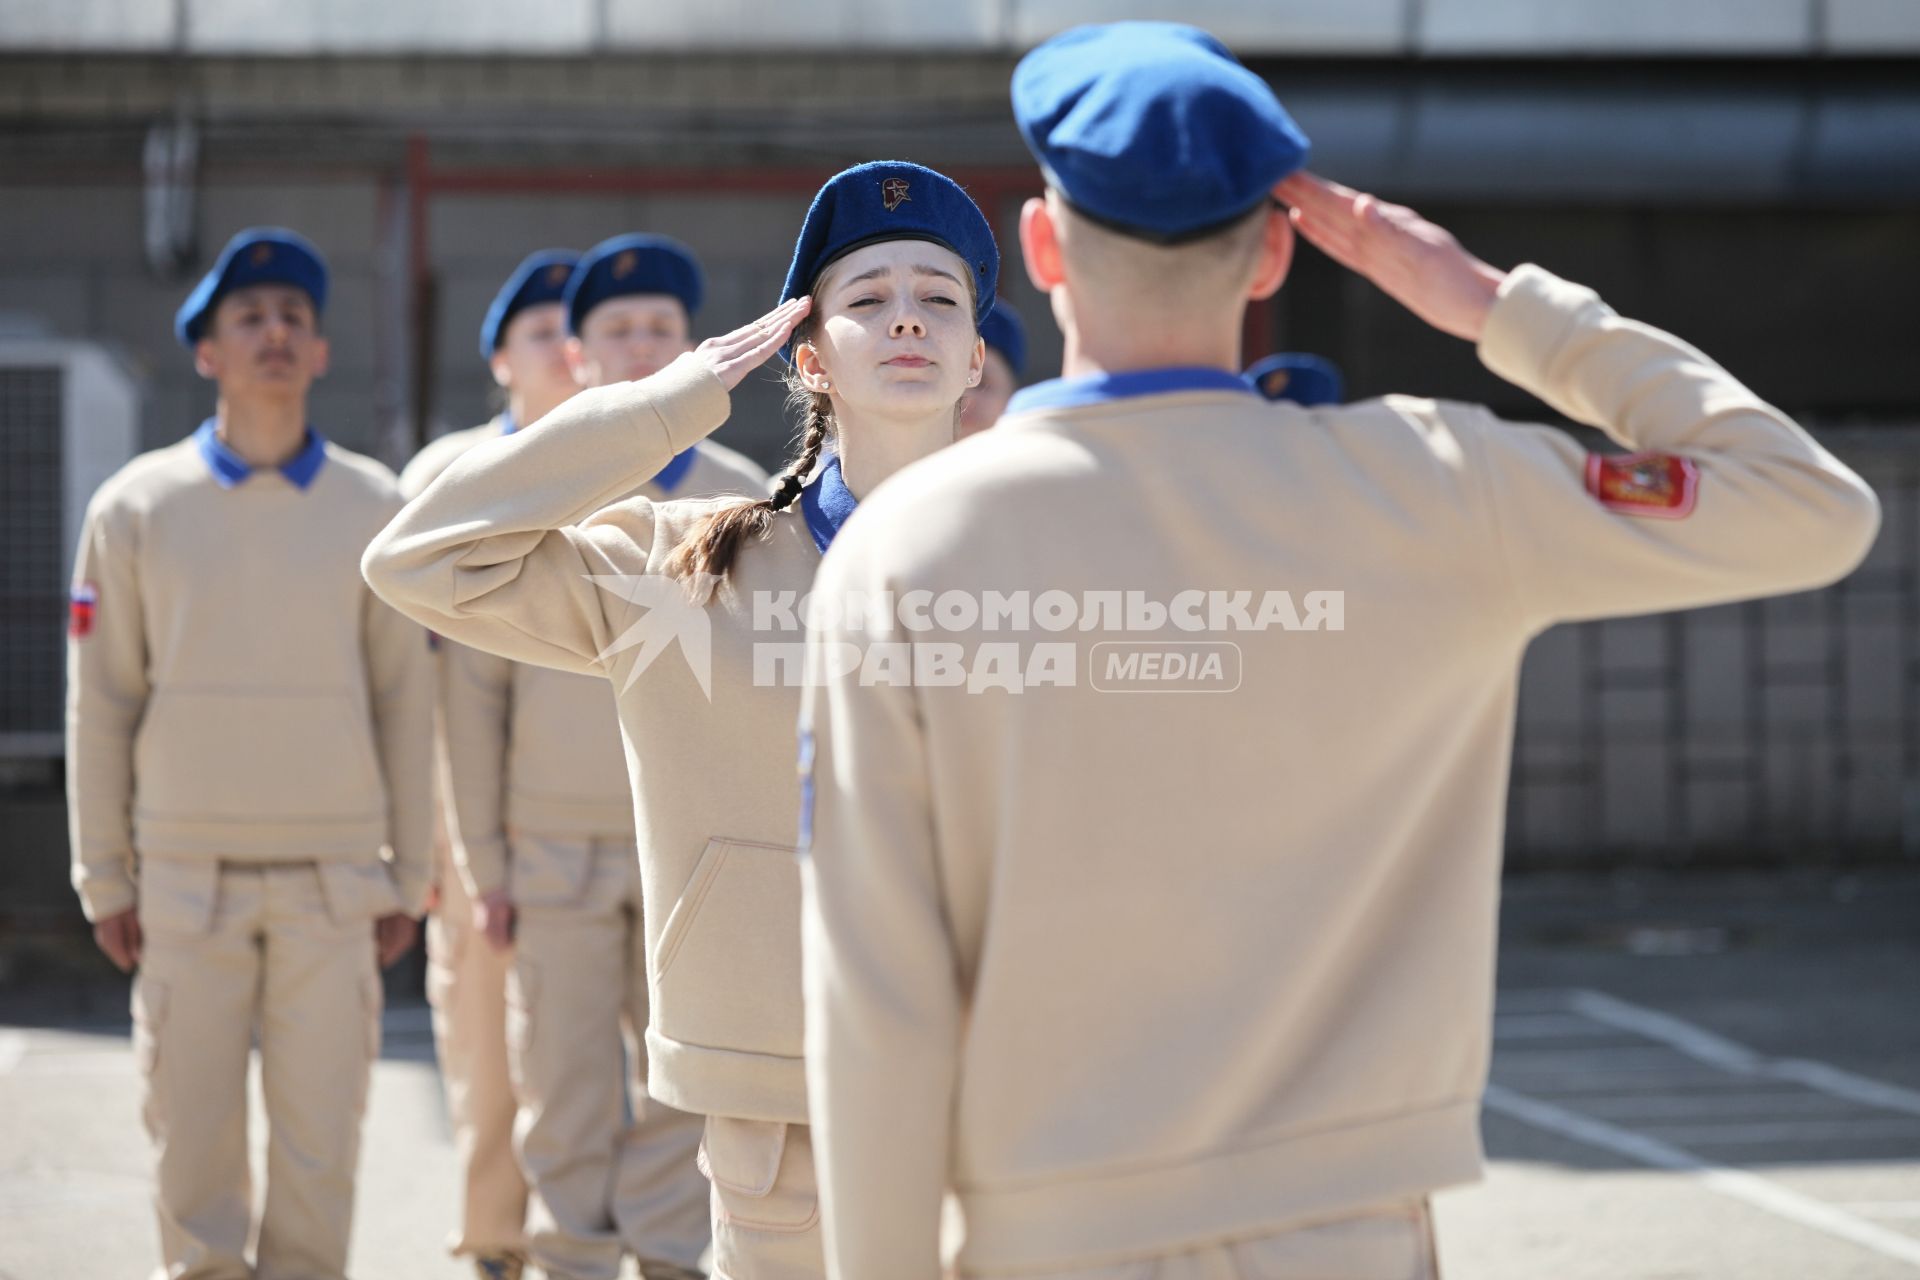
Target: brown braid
706, 554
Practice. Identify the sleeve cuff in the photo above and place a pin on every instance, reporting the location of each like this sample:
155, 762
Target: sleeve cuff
690, 401
1533, 317
103, 896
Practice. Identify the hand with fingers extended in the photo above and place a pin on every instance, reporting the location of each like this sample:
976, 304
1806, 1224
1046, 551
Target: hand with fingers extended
1417, 264
732, 356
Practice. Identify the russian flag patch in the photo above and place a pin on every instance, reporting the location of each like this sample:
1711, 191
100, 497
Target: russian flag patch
82, 603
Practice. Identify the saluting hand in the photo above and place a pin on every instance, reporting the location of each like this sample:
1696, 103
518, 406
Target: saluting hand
732, 356
1417, 264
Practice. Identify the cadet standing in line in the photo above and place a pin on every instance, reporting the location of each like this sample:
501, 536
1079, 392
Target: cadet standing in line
246, 728
1236, 1023
544, 838
523, 339
1298, 378
516, 550
1006, 340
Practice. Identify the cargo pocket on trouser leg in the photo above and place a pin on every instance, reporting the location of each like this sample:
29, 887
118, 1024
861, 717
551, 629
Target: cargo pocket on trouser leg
766, 1208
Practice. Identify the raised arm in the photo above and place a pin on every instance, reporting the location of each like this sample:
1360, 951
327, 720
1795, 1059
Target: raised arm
493, 555
1721, 497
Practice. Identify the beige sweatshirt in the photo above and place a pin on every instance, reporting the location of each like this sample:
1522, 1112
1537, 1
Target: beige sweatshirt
528, 748
499, 554
238, 693
1130, 969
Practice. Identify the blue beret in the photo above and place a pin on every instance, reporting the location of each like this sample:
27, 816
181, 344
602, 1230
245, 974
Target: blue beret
1299, 378
541, 278
258, 255
1153, 128
638, 263
893, 200
1004, 333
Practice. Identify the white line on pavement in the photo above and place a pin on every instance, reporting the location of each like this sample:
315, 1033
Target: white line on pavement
1704, 1046
1736, 1184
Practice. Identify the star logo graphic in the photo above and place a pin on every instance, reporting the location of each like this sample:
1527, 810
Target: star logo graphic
893, 193
671, 614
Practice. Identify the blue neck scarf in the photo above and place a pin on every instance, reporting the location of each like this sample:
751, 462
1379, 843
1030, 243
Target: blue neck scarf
826, 503
668, 478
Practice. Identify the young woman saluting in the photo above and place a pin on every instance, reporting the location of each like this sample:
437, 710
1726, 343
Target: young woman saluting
515, 550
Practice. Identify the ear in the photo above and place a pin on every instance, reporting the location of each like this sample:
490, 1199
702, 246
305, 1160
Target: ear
806, 363
1276, 256
503, 372
1040, 245
206, 361
977, 366
577, 362
322, 357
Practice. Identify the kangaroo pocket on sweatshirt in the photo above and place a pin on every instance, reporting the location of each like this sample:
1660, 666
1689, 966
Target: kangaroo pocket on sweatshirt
727, 967
256, 755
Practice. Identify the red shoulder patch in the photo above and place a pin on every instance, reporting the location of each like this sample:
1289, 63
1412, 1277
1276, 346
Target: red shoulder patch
81, 606
1644, 484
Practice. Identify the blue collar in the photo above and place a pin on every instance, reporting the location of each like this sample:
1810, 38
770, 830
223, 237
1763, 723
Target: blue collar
507, 425
826, 503
1097, 388
230, 469
668, 478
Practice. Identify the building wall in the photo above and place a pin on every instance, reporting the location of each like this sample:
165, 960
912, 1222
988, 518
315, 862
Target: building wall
1766, 208
1430, 28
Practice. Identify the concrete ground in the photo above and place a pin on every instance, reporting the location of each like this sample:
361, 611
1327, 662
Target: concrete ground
1693, 1077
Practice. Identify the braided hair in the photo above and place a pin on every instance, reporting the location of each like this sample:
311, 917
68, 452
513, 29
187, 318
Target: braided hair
707, 553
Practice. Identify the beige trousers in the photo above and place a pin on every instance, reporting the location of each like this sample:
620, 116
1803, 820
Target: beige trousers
281, 952
766, 1204
1394, 1242
611, 1171
467, 987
